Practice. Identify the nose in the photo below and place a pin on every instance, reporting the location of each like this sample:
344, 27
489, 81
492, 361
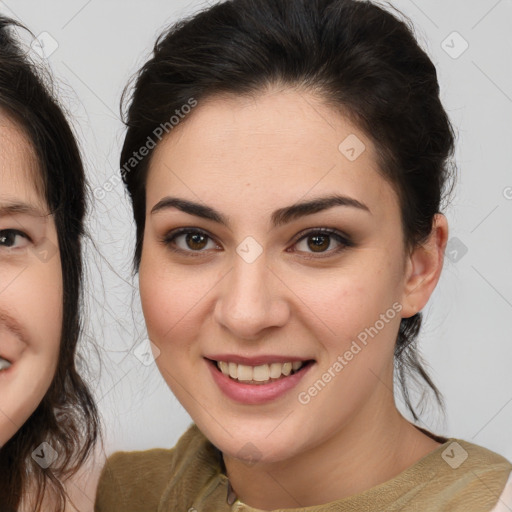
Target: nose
252, 300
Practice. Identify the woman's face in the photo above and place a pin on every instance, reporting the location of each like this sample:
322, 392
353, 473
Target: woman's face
272, 244
30, 284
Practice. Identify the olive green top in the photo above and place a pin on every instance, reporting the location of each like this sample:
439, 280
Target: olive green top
456, 477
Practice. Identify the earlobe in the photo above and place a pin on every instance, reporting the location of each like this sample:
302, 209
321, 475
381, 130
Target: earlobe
423, 268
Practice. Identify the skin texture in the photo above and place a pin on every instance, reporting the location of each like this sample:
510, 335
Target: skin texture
30, 283
246, 158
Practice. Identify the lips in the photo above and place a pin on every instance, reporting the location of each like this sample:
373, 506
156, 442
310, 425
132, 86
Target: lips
252, 382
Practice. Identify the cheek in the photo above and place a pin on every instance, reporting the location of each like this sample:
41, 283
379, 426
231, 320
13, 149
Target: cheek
34, 302
170, 296
347, 300
47, 312
35, 297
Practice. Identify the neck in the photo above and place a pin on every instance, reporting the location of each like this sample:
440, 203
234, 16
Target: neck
371, 448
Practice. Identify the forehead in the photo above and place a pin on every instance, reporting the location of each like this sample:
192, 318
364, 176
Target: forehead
20, 174
278, 146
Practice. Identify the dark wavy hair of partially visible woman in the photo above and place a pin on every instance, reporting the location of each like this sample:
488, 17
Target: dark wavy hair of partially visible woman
67, 417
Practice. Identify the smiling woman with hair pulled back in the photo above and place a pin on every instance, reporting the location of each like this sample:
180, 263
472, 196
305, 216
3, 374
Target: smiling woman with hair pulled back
289, 234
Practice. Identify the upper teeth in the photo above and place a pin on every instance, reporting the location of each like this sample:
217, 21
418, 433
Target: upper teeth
4, 364
259, 373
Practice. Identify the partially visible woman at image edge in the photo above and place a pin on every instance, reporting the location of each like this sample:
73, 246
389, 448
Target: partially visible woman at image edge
48, 420
286, 161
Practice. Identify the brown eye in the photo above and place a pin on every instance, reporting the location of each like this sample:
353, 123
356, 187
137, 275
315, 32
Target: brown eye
322, 241
196, 241
319, 243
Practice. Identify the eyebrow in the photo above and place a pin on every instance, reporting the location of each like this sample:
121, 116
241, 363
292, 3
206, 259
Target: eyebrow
20, 208
278, 218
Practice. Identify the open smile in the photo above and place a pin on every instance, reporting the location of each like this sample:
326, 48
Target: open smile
256, 383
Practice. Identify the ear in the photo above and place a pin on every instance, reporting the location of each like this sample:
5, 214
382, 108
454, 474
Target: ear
423, 268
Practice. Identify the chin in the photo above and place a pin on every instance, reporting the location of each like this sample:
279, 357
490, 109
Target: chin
251, 453
252, 445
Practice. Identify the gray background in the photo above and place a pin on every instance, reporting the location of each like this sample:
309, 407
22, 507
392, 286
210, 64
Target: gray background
467, 334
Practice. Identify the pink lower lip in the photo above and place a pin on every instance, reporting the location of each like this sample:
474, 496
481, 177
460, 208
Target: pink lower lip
253, 394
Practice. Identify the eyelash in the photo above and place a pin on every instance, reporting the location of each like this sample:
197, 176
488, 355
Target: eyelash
170, 238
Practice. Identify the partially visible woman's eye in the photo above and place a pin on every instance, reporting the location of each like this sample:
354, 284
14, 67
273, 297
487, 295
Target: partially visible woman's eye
13, 239
189, 240
322, 241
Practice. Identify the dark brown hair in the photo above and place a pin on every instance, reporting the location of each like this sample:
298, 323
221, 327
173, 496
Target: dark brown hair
358, 57
66, 418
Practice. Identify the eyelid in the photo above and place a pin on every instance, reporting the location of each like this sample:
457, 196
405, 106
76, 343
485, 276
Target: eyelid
323, 230
341, 237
